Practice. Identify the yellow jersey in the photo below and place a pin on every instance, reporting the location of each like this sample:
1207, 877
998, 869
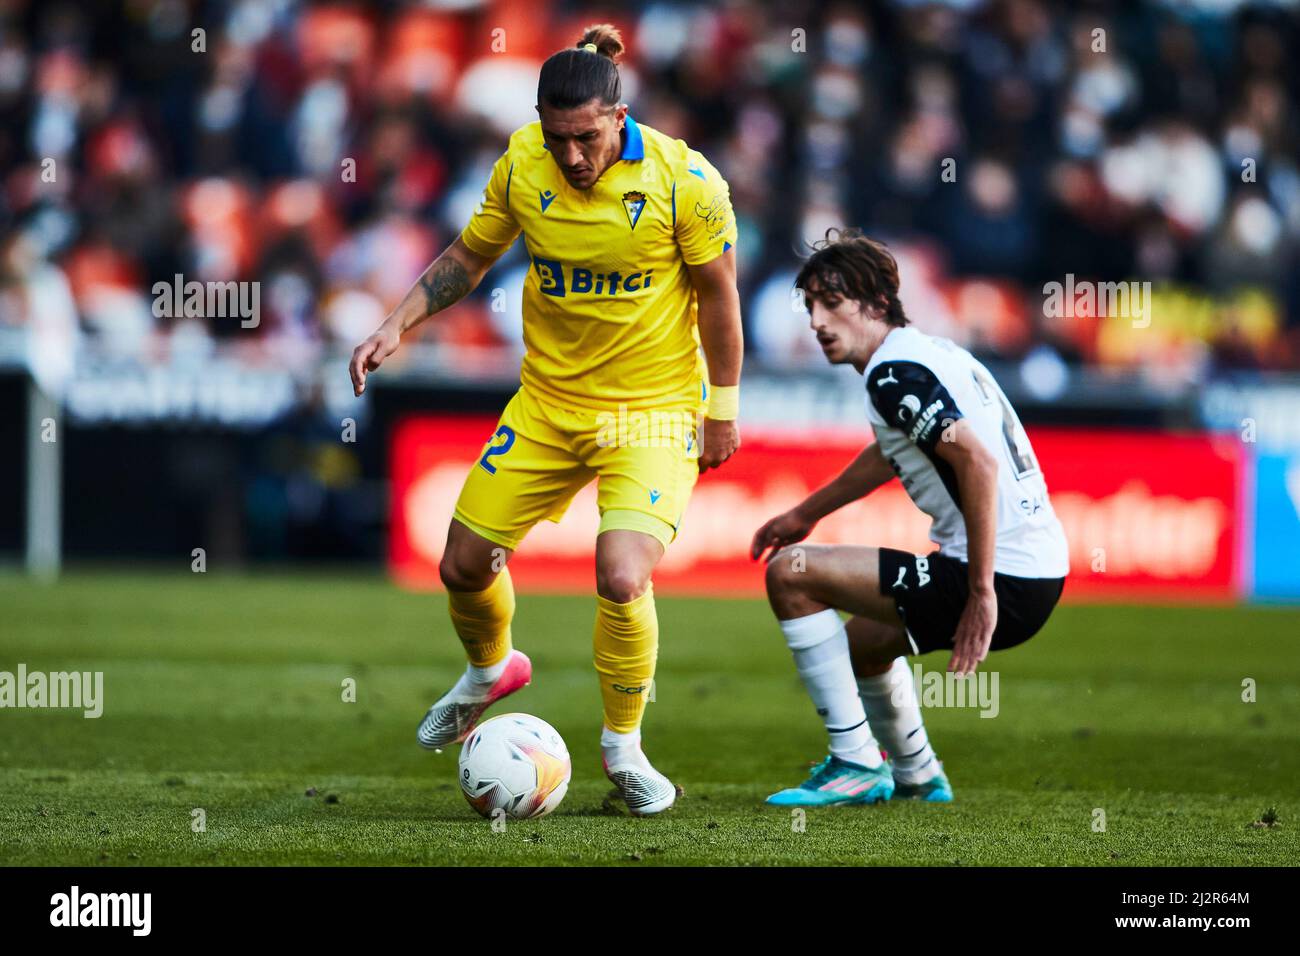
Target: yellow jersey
609, 309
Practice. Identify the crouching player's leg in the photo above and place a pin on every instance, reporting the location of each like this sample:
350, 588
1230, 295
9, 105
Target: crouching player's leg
893, 710
806, 585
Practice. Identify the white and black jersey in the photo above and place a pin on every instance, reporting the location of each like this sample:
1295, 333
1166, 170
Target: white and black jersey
916, 386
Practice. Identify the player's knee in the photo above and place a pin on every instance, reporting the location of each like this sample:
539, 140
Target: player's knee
459, 574
784, 574
620, 585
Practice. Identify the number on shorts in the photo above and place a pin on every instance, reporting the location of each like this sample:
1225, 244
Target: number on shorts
509, 434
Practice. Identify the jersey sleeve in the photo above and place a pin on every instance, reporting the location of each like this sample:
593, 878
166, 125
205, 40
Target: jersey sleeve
908, 396
493, 228
703, 221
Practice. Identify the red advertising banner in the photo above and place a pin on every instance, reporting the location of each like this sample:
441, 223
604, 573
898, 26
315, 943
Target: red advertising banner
1149, 516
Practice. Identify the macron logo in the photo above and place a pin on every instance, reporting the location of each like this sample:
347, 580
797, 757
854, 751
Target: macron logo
654, 495
547, 198
888, 379
103, 909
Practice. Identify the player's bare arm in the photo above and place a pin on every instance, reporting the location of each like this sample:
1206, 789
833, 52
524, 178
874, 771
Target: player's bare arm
724, 346
449, 278
977, 476
861, 477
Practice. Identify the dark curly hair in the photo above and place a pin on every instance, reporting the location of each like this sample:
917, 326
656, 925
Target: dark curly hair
849, 263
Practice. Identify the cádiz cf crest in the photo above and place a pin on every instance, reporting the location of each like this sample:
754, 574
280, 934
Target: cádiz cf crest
633, 203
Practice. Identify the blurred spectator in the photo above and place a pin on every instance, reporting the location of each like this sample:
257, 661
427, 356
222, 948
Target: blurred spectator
329, 151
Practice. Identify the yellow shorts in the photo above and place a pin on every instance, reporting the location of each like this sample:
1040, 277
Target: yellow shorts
541, 454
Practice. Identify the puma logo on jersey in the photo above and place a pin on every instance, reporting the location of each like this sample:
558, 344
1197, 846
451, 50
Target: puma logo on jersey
546, 198
889, 378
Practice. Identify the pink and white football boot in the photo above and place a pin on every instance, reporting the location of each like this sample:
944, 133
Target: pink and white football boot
450, 720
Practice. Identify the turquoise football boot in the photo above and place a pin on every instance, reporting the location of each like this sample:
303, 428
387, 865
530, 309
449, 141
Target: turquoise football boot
935, 790
836, 781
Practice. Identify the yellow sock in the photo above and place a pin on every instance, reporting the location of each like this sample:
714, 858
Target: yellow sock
482, 620
626, 641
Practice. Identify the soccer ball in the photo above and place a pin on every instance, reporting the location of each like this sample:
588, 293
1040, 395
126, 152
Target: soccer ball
515, 763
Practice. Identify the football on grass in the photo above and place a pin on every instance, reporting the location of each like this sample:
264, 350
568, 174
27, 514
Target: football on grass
516, 763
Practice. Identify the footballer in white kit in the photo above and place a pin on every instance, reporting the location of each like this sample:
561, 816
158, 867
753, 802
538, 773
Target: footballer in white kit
946, 430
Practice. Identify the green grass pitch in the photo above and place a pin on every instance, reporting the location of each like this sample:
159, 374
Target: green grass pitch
224, 694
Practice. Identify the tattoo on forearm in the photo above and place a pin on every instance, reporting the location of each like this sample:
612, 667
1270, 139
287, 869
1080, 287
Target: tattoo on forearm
446, 282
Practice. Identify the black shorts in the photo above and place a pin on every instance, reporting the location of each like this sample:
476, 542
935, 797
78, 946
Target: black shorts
930, 593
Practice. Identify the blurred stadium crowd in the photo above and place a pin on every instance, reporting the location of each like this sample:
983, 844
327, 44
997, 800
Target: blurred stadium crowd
330, 150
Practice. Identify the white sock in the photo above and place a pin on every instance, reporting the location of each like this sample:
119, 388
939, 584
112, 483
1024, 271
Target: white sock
621, 749
821, 656
895, 714
489, 674
476, 680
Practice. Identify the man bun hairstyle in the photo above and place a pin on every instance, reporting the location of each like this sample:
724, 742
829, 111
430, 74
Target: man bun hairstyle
849, 263
584, 72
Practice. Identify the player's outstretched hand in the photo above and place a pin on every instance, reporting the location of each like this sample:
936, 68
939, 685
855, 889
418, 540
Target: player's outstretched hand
970, 644
784, 529
718, 442
370, 354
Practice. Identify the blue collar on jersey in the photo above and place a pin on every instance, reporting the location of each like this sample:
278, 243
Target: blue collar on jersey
633, 145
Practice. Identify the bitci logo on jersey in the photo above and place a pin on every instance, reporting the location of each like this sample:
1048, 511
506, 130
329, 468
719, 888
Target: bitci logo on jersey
557, 280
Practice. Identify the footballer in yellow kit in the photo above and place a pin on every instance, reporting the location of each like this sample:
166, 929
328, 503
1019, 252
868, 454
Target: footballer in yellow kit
630, 378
